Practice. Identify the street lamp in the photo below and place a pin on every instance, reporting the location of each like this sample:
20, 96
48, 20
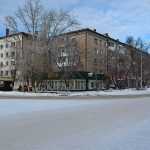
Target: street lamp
141, 71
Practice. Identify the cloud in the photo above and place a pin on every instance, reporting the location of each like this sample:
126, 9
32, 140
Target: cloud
8, 7
119, 18
60, 3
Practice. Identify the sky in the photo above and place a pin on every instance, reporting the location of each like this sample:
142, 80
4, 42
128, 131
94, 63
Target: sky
119, 18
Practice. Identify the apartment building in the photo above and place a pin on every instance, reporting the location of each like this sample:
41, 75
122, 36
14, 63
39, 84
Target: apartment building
7, 57
101, 54
11, 47
95, 49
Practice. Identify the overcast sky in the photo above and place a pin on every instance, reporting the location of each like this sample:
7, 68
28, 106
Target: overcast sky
119, 18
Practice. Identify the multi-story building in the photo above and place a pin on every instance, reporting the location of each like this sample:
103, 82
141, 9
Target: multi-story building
98, 54
101, 54
95, 49
7, 57
11, 47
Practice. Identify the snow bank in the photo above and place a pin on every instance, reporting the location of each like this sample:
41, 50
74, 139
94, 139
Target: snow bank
112, 92
83, 93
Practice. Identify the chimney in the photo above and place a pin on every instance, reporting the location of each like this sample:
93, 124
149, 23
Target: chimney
94, 30
7, 32
118, 40
106, 34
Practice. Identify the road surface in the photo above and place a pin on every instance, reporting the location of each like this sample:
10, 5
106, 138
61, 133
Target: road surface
122, 124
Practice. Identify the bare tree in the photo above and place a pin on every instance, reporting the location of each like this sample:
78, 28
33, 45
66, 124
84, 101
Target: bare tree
11, 24
42, 26
137, 50
57, 22
118, 65
30, 15
65, 56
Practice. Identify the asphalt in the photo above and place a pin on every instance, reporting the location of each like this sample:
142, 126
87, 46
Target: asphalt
93, 125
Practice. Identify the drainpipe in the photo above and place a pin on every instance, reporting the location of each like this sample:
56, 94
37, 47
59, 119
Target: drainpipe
86, 51
106, 56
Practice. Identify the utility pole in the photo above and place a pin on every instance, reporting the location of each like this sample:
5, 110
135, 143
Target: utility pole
141, 71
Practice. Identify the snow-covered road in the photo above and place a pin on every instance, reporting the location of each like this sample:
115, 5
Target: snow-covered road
75, 125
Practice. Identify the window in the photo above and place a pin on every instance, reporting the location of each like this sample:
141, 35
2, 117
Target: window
13, 44
95, 41
1, 64
1, 73
6, 45
92, 84
96, 51
1, 55
12, 54
12, 72
101, 52
6, 73
64, 59
111, 44
82, 85
73, 40
1, 46
7, 54
18, 44
100, 43
61, 50
12, 63
95, 60
7, 63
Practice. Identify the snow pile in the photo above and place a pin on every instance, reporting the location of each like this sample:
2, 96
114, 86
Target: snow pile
112, 92
82, 93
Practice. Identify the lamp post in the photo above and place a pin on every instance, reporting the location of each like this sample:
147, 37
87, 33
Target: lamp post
141, 83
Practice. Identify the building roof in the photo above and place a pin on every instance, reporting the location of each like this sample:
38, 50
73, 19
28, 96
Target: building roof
95, 32
104, 36
84, 30
15, 34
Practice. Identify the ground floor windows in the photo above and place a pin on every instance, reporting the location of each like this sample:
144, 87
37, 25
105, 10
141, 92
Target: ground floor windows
61, 85
71, 85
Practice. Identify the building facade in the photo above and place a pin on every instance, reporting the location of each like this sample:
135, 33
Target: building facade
11, 53
7, 57
100, 54
91, 52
